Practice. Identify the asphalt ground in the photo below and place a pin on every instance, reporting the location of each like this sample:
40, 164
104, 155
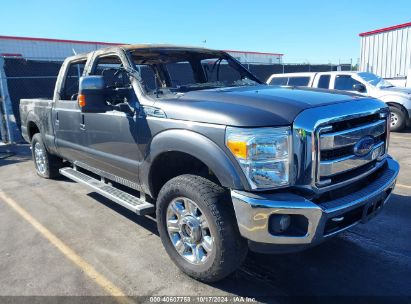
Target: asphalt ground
58, 240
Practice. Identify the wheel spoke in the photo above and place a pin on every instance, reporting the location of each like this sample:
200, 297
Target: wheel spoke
207, 243
181, 247
172, 225
197, 253
177, 209
190, 208
203, 222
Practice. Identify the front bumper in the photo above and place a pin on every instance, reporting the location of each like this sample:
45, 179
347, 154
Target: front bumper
322, 220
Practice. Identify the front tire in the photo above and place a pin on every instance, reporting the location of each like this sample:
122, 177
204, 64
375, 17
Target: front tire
47, 165
198, 229
398, 119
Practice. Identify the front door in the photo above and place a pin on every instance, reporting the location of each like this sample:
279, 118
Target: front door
346, 82
111, 137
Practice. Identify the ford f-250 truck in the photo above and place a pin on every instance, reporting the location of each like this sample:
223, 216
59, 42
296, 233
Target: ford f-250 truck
226, 162
362, 83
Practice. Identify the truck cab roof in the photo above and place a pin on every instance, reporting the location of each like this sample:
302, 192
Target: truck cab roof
146, 47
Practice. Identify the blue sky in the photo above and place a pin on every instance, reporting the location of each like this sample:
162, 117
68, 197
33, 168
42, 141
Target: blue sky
305, 31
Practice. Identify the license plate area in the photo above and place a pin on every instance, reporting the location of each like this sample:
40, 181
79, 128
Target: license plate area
372, 208
362, 214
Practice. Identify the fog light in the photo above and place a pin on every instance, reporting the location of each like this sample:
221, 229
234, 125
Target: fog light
279, 223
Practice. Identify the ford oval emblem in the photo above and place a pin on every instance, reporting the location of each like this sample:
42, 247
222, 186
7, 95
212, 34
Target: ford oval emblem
364, 146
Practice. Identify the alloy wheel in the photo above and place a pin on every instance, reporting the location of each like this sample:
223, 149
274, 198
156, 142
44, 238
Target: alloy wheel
40, 158
394, 119
189, 230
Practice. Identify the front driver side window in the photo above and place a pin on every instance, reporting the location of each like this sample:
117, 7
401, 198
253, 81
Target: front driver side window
116, 79
345, 83
111, 68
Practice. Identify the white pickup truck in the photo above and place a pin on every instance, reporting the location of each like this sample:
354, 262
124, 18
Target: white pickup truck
364, 83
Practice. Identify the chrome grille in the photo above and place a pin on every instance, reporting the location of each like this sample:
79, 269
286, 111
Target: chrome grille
336, 160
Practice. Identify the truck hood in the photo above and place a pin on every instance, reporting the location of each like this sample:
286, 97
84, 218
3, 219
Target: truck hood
396, 90
254, 106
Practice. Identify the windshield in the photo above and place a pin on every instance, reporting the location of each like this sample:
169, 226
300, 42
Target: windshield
173, 71
375, 80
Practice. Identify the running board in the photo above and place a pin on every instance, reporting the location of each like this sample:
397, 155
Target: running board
131, 202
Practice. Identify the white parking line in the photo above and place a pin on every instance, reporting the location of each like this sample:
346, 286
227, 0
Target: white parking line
403, 186
69, 253
400, 137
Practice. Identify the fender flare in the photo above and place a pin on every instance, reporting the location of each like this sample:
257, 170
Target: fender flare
198, 146
33, 118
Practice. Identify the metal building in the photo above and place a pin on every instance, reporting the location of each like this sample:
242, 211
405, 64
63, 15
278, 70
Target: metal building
40, 48
256, 57
59, 49
387, 51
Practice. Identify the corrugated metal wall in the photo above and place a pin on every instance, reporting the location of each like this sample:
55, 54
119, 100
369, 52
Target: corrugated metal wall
387, 54
40, 48
45, 49
252, 57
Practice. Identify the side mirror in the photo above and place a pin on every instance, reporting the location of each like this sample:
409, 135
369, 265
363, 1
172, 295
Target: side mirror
92, 97
359, 87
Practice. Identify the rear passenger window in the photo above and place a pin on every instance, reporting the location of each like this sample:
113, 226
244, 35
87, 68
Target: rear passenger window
148, 76
279, 81
220, 70
181, 73
299, 81
324, 82
71, 83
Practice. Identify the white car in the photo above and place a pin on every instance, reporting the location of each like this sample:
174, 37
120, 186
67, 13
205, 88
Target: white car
364, 83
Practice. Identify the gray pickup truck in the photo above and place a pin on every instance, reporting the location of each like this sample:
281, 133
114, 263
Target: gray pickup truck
225, 162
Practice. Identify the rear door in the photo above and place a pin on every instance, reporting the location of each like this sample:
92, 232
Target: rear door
299, 81
292, 80
322, 81
279, 81
67, 118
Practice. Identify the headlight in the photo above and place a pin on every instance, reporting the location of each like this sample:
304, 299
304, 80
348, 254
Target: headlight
263, 154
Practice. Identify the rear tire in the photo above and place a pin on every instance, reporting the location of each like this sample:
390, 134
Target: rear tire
398, 119
46, 164
189, 201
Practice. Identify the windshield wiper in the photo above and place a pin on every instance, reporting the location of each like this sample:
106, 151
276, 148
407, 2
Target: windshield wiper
243, 83
200, 86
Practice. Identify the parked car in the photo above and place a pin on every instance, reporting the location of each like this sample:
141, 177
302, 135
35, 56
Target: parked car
364, 83
225, 161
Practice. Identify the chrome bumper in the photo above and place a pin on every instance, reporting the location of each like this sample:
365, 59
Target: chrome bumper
253, 210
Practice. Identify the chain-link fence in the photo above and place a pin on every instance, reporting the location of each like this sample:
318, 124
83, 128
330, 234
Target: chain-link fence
30, 79
36, 77
23, 78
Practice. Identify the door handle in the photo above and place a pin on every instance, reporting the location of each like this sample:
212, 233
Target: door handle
82, 124
57, 122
